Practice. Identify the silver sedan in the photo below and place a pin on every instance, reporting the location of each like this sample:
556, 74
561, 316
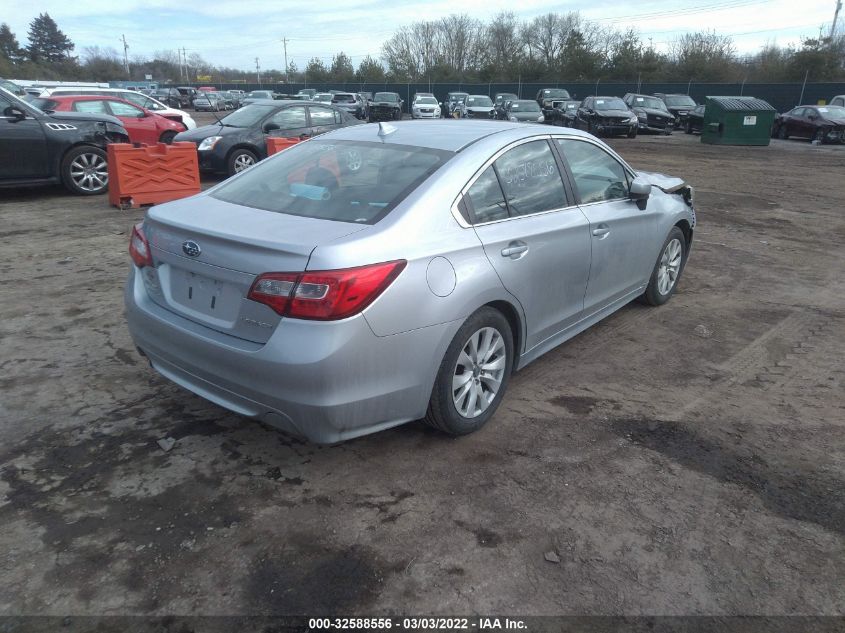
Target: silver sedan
390, 272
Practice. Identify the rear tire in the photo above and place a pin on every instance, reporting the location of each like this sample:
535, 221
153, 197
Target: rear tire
782, 133
473, 375
667, 270
85, 171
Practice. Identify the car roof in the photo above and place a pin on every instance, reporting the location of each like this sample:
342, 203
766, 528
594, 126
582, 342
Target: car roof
448, 135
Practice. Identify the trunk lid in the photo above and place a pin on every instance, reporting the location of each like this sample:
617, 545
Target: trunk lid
207, 253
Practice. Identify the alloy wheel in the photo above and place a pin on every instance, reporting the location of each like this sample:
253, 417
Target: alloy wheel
89, 172
243, 161
479, 372
670, 266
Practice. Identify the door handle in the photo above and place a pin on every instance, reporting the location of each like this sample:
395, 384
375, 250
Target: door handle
515, 250
601, 231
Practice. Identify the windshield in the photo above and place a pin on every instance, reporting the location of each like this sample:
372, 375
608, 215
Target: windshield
426, 101
525, 106
611, 104
323, 97
247, 116
385, 96
457, 96
680, 101
346, 181
832, 112
649, 102
343, 98
556, 93
479, 102
259, 94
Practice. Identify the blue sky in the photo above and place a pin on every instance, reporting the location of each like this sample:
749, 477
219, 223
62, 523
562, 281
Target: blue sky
234, 33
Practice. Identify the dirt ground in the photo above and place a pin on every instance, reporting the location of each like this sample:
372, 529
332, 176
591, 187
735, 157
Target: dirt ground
687, 459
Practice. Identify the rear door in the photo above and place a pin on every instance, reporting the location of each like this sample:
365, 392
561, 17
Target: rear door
622, 237
26, 141
535, 238
324, 119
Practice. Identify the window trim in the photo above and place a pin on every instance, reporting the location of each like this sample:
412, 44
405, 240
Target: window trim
456, 213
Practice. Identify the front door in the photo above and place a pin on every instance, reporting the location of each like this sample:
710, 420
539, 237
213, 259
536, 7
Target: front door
622, 236
534, 237
25, 141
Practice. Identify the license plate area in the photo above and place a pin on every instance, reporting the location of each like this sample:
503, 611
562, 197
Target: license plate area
198, 294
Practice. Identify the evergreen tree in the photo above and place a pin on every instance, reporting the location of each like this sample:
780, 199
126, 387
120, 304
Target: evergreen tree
46, 42
9, 47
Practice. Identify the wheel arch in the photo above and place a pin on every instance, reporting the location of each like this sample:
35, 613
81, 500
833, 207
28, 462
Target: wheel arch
244, 145
514, 319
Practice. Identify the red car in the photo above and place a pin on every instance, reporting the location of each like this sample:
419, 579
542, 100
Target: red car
143, 126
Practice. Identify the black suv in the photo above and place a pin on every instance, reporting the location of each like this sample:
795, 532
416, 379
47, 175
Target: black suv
385, 106
187, 94
61, 147
680, 105
652, 114
170, 97
546, 96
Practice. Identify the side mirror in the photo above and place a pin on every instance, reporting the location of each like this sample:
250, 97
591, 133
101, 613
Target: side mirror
270, 127
640, 192
15, 112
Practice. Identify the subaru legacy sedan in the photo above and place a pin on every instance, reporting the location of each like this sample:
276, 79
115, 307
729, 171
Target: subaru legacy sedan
385, 273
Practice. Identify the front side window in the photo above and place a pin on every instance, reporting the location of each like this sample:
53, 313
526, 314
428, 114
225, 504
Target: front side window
290, 118
98, 107
346, 181
124, 109
598, 176
530, 179
487, 199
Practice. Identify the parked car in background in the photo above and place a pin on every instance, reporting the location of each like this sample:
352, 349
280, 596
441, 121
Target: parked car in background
209, 102
366, 96
351, 103
306, 92
168, 96
695, 120
606, 116
546, 96
67, 148
425, 107
452, 99
825, 124
206, 89
188, 94
323, 97
523, 111
306, 288
679, 105
475, 107
143, 126
563, 113
240, 94
652, 114
140, 100
239, 140
229, 99
499, 101
385, 106
417, 95
838, 100
257, 95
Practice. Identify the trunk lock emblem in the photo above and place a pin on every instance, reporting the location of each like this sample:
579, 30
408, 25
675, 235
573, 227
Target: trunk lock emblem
191, 248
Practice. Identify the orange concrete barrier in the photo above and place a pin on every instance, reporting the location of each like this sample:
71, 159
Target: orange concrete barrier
276, 144
152, 174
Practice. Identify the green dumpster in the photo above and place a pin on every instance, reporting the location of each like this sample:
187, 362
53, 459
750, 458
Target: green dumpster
737, 121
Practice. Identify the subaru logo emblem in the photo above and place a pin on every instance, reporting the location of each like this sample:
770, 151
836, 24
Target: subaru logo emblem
191, 248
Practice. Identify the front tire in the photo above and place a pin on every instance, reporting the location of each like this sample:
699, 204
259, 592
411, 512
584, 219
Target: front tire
85, 171
819, 136
473, 375
667, 271
240, 160
167, 137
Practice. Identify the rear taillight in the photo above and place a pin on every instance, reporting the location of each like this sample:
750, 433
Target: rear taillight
325, 295
139, 247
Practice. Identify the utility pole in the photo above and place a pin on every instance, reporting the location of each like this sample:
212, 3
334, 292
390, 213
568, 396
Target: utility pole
258, 72
285, 43
835, 18
125, 55
187, 69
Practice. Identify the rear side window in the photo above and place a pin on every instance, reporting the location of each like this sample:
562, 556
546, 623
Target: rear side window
90, 106
347, 181
530, 179
598, 176
487, 199
124, 109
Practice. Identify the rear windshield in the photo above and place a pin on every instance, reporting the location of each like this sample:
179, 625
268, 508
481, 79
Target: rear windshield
679, 101
347, 181
556, 93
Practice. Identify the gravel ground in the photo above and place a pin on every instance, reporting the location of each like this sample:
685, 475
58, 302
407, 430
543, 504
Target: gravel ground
680, 460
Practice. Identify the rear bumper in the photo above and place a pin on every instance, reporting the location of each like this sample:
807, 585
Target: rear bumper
325, 381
